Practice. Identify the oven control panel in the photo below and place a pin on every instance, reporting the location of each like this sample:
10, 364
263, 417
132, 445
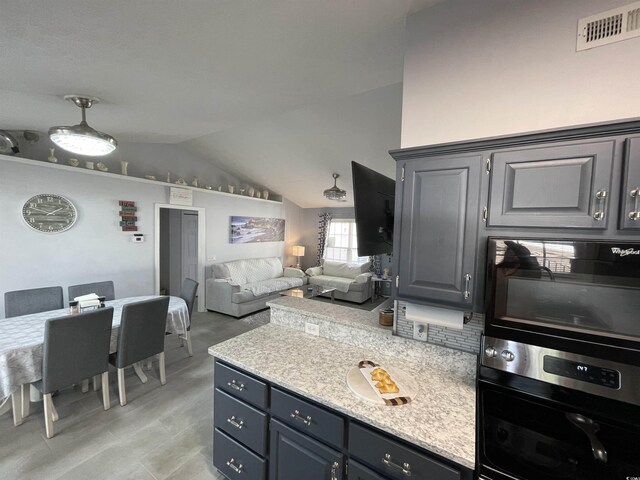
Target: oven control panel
597, 376
606, 377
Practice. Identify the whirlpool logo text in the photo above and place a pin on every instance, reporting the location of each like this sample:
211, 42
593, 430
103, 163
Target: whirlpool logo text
624, 252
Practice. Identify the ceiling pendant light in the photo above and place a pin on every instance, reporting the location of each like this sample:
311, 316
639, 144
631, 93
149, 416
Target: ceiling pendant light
335, 193
82, 139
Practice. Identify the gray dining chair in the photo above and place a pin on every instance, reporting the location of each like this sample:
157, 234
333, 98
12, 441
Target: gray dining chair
25, 302
188, 294
140, 336
33, 300
102, 289
75, 347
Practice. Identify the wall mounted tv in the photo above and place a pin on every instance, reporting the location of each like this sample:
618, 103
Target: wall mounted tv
374, 198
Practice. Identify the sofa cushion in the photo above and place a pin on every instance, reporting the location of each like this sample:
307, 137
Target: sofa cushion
343, 269
249, 270
251, 291
220, 270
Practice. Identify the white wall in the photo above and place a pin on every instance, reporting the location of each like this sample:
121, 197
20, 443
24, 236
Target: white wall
476, 69
95, 248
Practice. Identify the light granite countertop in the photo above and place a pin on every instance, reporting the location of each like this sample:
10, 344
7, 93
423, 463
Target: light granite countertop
441, 417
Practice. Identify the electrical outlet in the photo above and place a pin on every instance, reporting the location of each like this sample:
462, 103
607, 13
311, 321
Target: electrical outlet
420, 331
312, 329
211, 258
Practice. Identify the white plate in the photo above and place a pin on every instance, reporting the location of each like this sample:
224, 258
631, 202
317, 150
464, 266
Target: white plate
363, 389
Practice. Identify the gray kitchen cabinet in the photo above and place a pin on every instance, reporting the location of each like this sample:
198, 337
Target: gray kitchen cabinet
289, 437
630, 201
559, 186
295, 456
437, 230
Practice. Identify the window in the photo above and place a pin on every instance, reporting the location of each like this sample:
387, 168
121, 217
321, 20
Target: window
342, 242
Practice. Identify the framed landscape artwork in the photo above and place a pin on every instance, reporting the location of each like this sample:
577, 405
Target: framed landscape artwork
256, 229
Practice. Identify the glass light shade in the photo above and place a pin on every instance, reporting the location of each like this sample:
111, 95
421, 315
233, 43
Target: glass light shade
298, 251
83, 140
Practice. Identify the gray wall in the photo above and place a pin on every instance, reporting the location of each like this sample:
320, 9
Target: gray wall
95, 248
483, 68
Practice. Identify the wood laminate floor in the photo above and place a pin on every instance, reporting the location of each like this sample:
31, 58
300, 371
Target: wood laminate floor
162, 433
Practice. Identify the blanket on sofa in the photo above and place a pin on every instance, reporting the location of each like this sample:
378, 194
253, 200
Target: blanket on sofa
341, 284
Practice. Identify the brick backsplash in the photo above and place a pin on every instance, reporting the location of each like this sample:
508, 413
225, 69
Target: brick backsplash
467, 339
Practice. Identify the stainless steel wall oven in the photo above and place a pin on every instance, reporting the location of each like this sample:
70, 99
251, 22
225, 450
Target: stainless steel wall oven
559, 376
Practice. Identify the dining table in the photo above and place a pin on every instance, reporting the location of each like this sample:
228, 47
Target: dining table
22, 340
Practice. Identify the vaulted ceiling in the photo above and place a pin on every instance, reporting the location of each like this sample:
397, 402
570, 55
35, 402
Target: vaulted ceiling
279, 92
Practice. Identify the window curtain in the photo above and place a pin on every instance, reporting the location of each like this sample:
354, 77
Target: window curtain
324, 221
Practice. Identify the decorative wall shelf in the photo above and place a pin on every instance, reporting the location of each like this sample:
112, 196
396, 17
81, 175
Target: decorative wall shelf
113, 175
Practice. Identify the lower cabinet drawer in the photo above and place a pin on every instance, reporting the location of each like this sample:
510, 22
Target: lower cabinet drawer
393, 459
241, 421
236, 461
241, 385
308, 418
358, 471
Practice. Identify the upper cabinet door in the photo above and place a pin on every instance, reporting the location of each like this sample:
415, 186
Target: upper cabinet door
630, 204
558, 186
438, 230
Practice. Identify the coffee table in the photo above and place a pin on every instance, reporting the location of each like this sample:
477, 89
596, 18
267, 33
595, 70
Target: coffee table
309, 291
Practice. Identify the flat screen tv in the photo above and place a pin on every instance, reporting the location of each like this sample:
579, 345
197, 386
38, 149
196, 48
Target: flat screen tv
374, 198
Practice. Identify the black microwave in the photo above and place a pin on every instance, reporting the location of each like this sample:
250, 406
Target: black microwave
572, 295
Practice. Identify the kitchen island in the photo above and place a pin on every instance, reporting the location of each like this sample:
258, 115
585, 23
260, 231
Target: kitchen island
440, 419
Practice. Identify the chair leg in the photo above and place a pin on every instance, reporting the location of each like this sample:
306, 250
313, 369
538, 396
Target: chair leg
34, 394
149, 363
54, 412
85, 385
48, 415
189, 348
163, 373
121, 393
137, 367
96, 382
106, 401
26, 401
16, 405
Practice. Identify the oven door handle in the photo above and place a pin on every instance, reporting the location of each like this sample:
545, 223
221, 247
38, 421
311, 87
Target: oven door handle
590, 428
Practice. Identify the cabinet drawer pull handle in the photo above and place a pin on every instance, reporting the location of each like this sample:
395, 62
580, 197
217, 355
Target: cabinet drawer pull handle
306, 420
467, 282
601, 200
233, 466
334, 470
236, 385
235, 423
635, 213
405, 468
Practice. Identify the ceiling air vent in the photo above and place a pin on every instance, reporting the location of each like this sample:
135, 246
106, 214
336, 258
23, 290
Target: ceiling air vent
609, 27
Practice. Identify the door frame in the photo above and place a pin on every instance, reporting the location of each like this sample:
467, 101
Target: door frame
201, 249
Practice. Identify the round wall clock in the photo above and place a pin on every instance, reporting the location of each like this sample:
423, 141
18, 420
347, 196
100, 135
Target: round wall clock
49, 213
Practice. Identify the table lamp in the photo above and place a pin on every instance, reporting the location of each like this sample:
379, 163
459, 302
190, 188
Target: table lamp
298, 251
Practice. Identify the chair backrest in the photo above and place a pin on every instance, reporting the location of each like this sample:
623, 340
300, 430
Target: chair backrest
34, 300
102, 289
75, 347
142, 330
188, 294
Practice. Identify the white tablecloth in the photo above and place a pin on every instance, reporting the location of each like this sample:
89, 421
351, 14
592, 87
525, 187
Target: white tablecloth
21, 340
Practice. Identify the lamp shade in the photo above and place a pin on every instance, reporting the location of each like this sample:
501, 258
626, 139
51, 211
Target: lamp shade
297, 251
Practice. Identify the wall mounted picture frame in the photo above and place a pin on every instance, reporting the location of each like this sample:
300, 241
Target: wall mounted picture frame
256, 230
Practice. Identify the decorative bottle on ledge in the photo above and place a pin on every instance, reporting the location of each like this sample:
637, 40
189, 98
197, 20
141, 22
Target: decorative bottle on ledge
124, 165
52, 158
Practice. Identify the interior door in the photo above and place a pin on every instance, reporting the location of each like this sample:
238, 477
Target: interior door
189, 245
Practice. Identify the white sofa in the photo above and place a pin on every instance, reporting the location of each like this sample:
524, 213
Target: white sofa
351, 281
240, 287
